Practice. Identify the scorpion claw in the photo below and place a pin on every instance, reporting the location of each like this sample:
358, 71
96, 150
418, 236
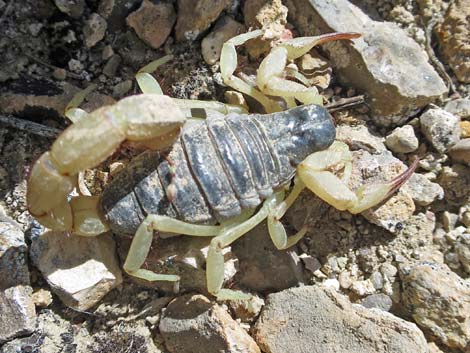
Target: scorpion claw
315, 173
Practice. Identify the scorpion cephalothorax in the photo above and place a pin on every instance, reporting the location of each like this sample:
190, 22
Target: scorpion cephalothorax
220, 177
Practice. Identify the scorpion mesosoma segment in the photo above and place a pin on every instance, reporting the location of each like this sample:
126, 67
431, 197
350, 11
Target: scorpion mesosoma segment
218, 178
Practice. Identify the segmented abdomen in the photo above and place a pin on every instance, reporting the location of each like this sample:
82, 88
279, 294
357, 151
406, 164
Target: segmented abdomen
216, 168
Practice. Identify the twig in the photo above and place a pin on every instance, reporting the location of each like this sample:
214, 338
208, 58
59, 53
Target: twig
345, 103
29, 126
433, 58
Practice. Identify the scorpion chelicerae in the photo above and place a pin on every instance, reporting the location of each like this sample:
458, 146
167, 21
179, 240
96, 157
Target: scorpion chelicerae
219, 177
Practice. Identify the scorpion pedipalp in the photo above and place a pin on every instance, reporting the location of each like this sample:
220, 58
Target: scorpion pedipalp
87, 143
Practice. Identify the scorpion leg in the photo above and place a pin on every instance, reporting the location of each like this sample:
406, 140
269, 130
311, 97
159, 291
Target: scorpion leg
148, 84
215, 257
228, 65
276, 230
271, 74
317, 173
142, 240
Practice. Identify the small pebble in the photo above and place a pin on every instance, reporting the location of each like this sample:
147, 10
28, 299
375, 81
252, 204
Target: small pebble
449, 220
378, 301
460, 152
112, 65
441, 128
402, 140
59, 74
94, 29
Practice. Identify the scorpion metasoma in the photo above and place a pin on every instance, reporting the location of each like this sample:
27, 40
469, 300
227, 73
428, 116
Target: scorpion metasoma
218, 177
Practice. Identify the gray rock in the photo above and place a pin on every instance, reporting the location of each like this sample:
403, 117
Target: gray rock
94, 30
402, 140
385, 63
314, 319
441, 128
192, 324
459, 107
360, 137
13, 255
18, 314
73, 8
439, 301
460, 152
90, 261
378, 301
455, 180
422, 190
262, 267
17, 311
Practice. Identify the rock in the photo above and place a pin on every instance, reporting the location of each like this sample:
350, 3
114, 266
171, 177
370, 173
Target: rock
73, 8
195, 16
314, 319
402, 140
433, 348
269, 15
58, 333
224, 29
360, 138
465, 129
439, 301
90, 261
462, 249
392, 95
454, 38
94, 30
455, 180
34, 98
378, 301
459, 107
42, 298
262, 267
13, 255
192, 324
380, 168
153, 22
116, 11
122, 88
449, 220
111, 66
363, 288
441, 128
422, 190
247, 310
460, 152
184, 256
17, 311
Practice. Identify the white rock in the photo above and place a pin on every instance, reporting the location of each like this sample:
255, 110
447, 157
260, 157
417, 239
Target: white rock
402, 140
80, 270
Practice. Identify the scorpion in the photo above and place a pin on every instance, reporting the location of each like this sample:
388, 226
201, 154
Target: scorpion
218, 177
